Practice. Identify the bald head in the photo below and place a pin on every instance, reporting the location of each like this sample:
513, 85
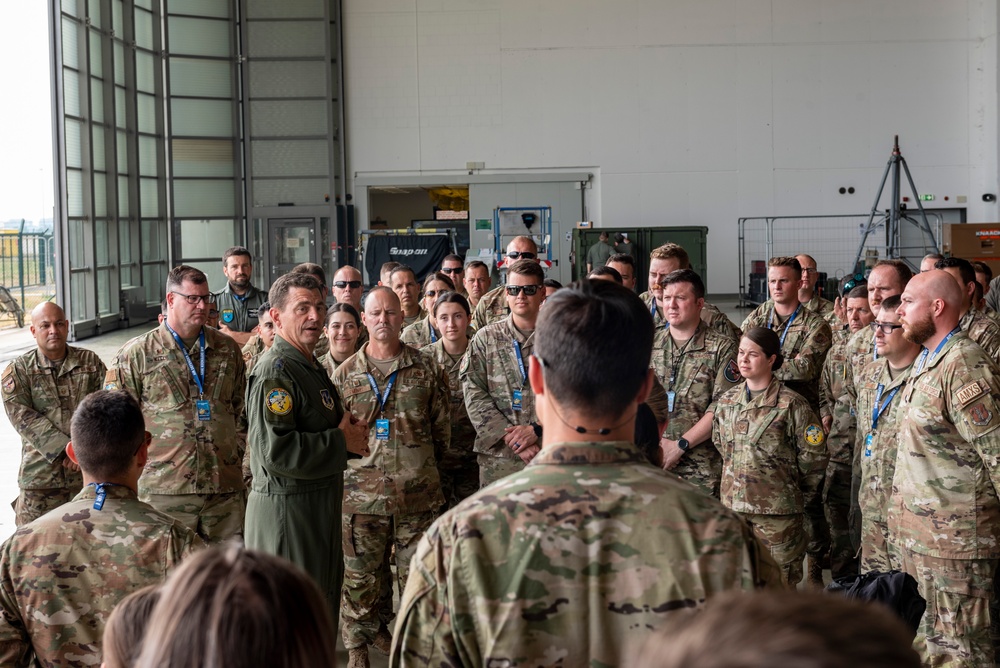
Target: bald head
931, 307
50, 329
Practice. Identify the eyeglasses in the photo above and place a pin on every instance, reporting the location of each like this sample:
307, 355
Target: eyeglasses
213, 312
529, 290
886, 327
194, 299
452, 270
434, 293
354, 285
524, 255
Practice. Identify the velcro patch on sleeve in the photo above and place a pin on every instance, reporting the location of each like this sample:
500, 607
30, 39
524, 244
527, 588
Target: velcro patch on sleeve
112, 381
8, 380
969, 392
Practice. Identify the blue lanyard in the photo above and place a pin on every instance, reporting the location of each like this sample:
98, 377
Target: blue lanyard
923, 356
791, 319
199, 380
878, 410
652, 308
520, 363
383, 397
102, 493
434, 337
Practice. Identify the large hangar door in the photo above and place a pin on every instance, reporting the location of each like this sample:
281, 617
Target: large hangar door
565, 198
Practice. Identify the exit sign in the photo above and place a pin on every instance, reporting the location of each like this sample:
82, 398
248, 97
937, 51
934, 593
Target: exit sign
927, 198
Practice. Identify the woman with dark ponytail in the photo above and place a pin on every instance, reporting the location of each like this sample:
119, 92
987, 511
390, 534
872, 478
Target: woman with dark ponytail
773, 451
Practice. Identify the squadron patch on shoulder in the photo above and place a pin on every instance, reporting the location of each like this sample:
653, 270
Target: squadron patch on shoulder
327, 399
111, 381
814, 434
278, 401
980, 414
732, 372
968, 392
8, 380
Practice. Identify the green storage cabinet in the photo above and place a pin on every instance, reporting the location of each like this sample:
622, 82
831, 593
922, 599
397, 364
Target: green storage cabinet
645, 239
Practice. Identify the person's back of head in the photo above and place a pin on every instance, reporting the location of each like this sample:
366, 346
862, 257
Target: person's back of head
126, 627
312, 269
229, 607
785, 629
588, 321
106, 432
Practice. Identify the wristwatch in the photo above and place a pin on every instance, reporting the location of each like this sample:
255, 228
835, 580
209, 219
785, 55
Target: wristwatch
683, 444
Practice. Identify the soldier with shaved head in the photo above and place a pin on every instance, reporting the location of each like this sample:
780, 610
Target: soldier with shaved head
41, 389
944, 514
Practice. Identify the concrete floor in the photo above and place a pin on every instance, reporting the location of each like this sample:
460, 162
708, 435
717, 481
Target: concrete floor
14, 342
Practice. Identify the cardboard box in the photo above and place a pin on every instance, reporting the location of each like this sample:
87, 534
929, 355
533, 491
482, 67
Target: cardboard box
972, 241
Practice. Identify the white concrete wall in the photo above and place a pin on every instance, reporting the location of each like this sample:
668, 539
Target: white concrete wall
696, 112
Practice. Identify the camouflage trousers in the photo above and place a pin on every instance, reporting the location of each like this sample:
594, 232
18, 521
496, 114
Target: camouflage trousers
837, 508
493, 468
874, 545
784, 537
459, 473
702, 467
368, 540
214, 517
955, 629
31, 504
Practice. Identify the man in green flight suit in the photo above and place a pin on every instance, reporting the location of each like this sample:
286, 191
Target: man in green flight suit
300, 439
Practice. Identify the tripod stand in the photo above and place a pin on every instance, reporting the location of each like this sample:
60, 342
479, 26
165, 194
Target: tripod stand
897, 212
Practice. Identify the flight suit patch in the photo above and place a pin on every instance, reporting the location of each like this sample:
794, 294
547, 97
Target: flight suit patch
227, 315
327, 399
278, 401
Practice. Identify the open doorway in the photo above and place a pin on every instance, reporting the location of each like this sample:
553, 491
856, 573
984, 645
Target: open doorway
421, 207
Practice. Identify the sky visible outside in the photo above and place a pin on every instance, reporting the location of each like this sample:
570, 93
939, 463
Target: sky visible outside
25, 112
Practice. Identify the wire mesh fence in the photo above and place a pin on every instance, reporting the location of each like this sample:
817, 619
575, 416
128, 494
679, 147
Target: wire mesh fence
27, 271
833, 241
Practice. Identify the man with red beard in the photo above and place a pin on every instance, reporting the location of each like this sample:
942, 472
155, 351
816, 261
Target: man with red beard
944, 516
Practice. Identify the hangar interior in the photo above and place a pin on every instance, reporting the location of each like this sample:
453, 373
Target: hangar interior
185, 126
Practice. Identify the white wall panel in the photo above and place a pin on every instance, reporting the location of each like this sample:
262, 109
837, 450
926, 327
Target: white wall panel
694, 112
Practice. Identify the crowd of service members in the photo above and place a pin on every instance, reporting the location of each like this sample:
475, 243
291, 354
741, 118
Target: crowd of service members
860, 433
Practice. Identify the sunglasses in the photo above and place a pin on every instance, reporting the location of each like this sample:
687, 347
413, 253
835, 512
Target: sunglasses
886, 327
529, 290
434, 293
524, 255
354, 285
453, 270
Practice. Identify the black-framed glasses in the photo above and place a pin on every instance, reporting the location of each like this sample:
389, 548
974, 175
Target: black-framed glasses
886, 327
353, 285
452, 270
213, 312
194, 299
524, 255
530, 290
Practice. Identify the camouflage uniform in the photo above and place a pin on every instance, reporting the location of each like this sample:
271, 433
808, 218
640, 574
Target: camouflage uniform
984, 331
40, 397
329, 364
710, 315
492, 307
420, 334
835, 403
61, 575
490, 375
421, 315
805, 346
299, 457
773, 463
824, 309
394, 494
253, 349
574, 562
458, 466
697, 372
876, 464
195, 471
239, 313
323, 344
944, 515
